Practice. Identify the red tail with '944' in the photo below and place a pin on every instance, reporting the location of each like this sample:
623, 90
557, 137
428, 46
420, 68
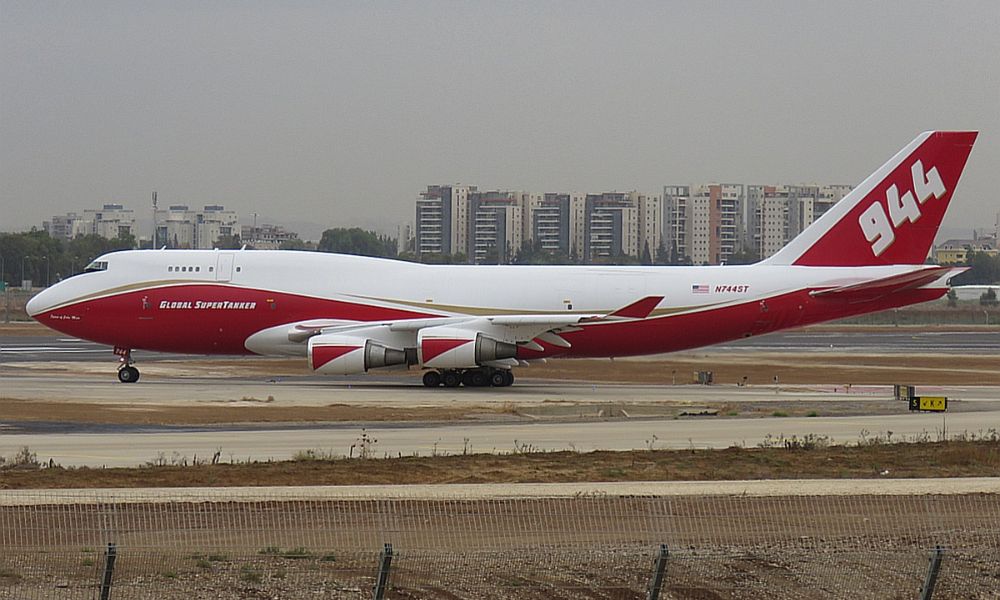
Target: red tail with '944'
891, 218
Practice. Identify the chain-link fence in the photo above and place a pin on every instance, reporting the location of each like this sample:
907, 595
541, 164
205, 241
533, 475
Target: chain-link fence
53, 545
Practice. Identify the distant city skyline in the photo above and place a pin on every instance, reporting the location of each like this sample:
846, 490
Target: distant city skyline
341, 113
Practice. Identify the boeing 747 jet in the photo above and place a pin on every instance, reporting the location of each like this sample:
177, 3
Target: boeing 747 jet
469, 325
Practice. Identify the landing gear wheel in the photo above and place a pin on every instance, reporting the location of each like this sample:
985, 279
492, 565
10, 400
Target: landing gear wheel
477, 378
432, 379
508, 377
498, 378
451, 379
128, 374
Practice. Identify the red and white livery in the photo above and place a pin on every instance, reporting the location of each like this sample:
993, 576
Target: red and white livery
471, 324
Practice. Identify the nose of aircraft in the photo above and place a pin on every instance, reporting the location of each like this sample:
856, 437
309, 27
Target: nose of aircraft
38, 303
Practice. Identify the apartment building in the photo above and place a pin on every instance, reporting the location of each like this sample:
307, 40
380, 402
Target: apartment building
778, 213
703, 224
266, 236
178, 226
495, 226
442, 219
110, 221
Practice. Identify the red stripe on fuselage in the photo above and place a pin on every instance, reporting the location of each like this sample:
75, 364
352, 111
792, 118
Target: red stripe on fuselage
135, 320
170, 319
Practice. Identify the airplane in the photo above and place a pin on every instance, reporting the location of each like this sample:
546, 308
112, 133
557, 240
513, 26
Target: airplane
470, 324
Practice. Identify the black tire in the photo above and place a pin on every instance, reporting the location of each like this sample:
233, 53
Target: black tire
508, 378
451, 379
477, 378
467, 378
498, 378
128, 374
432, 379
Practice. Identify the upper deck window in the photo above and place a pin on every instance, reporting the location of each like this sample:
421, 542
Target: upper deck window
97, 265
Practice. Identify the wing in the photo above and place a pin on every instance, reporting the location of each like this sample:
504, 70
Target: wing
877, 288
460, 341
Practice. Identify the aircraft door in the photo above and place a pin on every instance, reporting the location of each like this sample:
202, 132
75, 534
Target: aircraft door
224, 267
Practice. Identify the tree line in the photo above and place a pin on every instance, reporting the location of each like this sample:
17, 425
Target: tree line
42, 259
37, 257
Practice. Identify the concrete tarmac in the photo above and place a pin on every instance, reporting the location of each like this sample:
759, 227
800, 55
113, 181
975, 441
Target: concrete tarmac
279, 443
483, 491
89, 377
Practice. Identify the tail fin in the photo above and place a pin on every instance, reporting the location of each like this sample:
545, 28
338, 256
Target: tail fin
893, 215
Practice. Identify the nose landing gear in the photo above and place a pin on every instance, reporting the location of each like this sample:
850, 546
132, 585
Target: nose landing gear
126, 372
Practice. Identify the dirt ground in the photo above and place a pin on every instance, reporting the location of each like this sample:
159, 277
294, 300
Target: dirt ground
792, 459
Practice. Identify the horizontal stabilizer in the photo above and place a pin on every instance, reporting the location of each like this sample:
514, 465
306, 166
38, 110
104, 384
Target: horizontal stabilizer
875, 288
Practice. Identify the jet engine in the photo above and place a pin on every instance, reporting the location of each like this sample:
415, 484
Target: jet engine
339, 354
455, 348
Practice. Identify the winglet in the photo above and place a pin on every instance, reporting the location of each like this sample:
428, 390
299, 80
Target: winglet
639, 309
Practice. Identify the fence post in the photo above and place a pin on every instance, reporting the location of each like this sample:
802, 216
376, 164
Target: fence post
109, 570
659, 571
382, 580
927, 591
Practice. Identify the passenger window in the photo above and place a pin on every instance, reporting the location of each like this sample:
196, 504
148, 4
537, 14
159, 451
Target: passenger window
170, 269
210, 269
238, 269
197, 269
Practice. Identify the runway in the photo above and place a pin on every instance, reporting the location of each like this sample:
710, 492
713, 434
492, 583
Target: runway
544, 415
905, 340
131, 448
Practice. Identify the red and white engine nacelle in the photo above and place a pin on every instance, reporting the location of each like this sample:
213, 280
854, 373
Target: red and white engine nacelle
339, 354
456, 348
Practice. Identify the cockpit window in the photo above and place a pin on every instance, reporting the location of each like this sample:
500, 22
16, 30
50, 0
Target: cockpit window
97, 265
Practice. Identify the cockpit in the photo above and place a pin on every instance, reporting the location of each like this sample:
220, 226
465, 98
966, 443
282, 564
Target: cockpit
97, 265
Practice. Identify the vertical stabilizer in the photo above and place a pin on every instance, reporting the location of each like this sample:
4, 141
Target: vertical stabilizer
891, 218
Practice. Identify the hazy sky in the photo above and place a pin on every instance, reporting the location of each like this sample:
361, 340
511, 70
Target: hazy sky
339, 113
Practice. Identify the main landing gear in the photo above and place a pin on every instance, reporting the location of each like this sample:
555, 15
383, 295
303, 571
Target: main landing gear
481, 377
126, 372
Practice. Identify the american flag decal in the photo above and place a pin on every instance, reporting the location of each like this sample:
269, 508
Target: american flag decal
699, 289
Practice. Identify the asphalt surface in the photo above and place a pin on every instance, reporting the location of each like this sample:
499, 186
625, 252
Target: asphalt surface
73, 444
483, 491
59, 348
107, 445
974, 410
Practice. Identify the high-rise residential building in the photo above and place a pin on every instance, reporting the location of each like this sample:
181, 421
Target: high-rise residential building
778, 213
555, 222
996, 232
179, 226
768, 213
495, 226
550, 218
703, 224
443, 219
491, 226
611, 225
676, 239
650, 224
110, 221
